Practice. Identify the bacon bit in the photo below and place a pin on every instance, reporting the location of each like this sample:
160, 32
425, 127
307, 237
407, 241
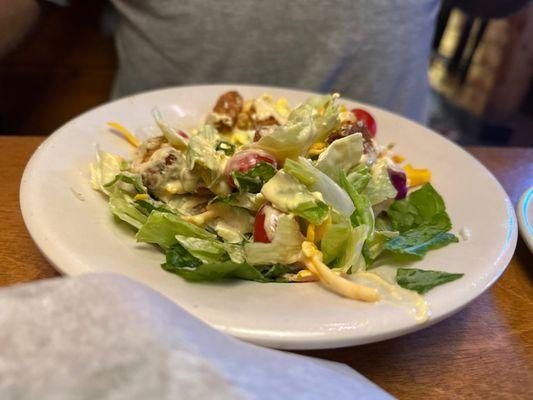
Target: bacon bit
130, 137
416, 177
398, 159
229, 104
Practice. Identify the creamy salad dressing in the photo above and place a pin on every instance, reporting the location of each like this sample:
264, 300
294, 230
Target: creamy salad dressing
464, 233
383, 280
285, 192
188, 204
233, 225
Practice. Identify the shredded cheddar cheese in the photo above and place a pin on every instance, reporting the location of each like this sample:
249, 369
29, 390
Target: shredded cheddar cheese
312, 259
398, 159
302, 276
214, 210
141, 196
310, 237
130, 137
321, 229
416, 177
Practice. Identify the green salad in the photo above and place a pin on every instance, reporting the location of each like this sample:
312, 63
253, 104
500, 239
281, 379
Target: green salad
270, 193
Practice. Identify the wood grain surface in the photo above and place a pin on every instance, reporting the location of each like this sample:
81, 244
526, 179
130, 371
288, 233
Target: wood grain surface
484, 351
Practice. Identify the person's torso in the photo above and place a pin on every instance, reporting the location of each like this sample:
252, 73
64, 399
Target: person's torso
374, 51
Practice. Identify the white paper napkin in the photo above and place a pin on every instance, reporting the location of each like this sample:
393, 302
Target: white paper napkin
103, 336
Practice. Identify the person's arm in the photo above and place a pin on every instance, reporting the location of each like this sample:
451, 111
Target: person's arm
490, 8
17, 17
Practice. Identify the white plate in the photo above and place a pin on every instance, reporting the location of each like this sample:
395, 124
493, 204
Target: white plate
525, 217
72, 226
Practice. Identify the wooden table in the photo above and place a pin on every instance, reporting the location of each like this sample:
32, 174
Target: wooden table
484, 351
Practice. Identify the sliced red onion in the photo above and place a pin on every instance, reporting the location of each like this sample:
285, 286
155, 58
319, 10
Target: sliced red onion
399, 181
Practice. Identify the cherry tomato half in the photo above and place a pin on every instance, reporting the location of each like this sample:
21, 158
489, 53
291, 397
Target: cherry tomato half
266, 222
245, 160
367, 119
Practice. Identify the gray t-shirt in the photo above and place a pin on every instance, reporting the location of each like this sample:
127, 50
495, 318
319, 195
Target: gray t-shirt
374, 51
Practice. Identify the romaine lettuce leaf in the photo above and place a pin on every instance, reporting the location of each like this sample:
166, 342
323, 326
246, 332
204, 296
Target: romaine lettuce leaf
253, 180
133, 183
178, 257
284, 249
341, 155
249, 201
161, 228
422, 281
218, 271
206, 250
420, 207
418, 241
422, 221
286, 193
363, 214
375, 245
226, 147
180, 262
146, 206
124, 207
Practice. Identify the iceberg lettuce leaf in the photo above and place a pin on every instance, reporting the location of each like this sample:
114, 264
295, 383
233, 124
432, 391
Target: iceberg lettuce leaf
284, 249
343, 154
286, 193
161, 228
